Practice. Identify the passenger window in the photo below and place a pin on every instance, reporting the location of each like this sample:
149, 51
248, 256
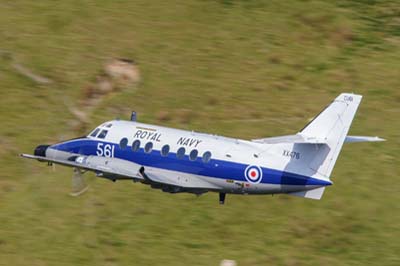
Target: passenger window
193, 155
136, 145
165, 150
94, 133
123, 143
206, 156
180, 153
102, 134
148, 147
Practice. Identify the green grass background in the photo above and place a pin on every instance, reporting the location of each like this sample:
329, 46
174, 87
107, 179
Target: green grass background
238, 68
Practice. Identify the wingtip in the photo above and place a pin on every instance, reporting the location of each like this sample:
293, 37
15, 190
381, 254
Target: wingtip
24, 155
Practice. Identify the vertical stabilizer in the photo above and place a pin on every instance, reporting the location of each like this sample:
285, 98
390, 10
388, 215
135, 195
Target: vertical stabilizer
332, 126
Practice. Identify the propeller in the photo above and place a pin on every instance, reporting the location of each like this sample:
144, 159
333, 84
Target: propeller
53, 165
78, 183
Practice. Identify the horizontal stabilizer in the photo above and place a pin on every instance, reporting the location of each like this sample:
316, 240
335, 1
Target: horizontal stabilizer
310, 194
298, 138
352, 139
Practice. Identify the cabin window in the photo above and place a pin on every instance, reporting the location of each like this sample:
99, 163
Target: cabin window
136, 145
103, 134
180, 153
123, 143
94, 133
206, 157
193, 155
165, 150
148, 147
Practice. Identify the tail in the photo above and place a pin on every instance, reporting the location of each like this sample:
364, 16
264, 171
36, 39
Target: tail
331, 126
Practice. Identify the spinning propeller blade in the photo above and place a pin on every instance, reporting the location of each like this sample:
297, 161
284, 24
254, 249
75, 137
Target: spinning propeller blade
78, 183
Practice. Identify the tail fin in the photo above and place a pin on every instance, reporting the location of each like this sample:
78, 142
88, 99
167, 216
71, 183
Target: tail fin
331, 125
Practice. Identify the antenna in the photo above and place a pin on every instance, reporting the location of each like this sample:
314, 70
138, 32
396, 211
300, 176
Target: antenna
133, 116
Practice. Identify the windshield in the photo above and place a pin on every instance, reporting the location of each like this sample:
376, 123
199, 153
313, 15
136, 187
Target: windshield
102, 134
101, 131
94, 132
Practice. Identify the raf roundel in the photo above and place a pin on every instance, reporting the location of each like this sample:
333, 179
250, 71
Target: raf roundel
253, 174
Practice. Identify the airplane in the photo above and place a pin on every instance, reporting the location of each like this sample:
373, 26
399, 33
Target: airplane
176, 161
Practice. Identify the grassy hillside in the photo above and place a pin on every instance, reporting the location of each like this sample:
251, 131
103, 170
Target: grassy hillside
237, 68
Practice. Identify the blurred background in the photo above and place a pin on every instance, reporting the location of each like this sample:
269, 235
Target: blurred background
246, 69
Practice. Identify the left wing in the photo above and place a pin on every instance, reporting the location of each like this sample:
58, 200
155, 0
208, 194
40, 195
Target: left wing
114, 168
102, 166
173, 179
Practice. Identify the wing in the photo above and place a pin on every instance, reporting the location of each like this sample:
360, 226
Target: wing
112, 168
174, 179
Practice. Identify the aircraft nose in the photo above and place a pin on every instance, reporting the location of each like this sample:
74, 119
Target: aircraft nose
41, 150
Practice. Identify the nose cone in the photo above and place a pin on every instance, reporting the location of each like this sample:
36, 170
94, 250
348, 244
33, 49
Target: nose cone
41, 150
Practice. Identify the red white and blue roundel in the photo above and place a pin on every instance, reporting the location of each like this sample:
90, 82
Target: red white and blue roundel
253, 174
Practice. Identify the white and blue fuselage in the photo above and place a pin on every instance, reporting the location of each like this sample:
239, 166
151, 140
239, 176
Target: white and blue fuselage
231, 165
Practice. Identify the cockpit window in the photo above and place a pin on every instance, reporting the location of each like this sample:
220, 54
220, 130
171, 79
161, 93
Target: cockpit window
109, 125
103, 134
94, 133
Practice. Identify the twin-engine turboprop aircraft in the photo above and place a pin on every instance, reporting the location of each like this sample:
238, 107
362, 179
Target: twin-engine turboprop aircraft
176, 161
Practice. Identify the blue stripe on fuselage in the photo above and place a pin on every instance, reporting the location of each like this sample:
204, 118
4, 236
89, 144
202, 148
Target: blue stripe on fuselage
215, 168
